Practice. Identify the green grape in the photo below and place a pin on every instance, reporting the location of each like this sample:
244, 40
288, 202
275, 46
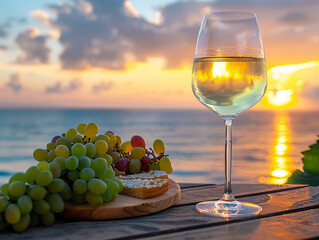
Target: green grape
23, 224
118, 140
66, 193
81, 128
20, 176
112, 185
107, 196
108, 159
55, 169
25, 204
95, 200
55, 201
126, 146
3, 203
77, 139
41, 207
12, 213
48, 219
99, 165
32, 173
56, 185
101, 147
62, 151
135, 165
138, 152
73, 175
154, 166
71, 163
116, 156
97, 186
40, 155
102, 137
109, 173
80, 186
78, 198
35, 219
110, 148
3, 224
51, 146
159, 146
71, 134
43, 165
63, 141
60, 161
91, 130
165, 165
87, 174
90, 150
51, 155
78, 150
44, 178
36, 192
4, 188
113, 139
17, 188
119, 182
84, 162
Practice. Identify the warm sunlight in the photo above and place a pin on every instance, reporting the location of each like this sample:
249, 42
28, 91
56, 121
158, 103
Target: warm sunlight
283, 84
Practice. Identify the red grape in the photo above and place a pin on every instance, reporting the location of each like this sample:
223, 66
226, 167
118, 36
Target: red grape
144, 167
122, 164
137, 141
146, 160
55, 138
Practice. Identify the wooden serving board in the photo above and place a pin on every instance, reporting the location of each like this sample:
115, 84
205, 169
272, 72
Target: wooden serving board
124, 206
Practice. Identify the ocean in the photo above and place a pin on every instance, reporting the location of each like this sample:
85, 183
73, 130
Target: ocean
267, 146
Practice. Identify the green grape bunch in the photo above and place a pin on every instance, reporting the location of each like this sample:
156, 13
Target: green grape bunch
74, 167
78, 167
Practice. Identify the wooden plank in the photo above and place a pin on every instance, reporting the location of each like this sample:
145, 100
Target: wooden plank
213, 192
193, 185
171, 220
294, 226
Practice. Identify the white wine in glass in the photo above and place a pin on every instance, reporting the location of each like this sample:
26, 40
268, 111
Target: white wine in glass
229, 76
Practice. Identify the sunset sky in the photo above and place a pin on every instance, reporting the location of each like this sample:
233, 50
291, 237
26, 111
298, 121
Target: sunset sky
139, 53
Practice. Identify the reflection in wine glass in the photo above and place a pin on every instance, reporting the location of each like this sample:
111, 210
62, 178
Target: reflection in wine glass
281, 164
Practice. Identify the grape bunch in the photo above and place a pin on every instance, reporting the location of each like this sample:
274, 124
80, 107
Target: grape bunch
78, 167
133, 157
72, 168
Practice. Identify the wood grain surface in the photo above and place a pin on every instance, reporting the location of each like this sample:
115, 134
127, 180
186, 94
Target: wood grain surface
124, 206
289, 212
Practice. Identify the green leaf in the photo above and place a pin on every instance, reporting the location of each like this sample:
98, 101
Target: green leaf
295, 177
311, 160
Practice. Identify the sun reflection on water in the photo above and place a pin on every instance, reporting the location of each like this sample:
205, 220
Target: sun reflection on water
280, 162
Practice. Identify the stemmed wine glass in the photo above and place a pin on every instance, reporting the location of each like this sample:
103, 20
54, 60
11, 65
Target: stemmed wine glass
229, 76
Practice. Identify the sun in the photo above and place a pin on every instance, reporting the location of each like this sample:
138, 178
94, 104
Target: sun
283, 86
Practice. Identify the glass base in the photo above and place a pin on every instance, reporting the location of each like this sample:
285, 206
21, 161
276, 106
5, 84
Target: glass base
228, 209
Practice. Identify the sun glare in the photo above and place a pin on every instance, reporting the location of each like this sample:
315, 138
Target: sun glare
283, 86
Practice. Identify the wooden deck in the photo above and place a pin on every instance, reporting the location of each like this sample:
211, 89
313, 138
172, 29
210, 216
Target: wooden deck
289, 212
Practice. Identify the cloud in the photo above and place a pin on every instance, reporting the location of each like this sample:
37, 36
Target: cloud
15, 83
102, 86
3, 32
39, 14
33, 46
59, 88
106, 34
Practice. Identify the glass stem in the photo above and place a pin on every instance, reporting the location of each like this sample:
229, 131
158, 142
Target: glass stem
228, 196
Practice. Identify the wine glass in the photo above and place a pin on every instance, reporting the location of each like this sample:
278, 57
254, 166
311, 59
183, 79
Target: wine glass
229, 76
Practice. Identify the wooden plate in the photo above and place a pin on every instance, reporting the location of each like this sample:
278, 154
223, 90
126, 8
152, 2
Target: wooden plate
124, 206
